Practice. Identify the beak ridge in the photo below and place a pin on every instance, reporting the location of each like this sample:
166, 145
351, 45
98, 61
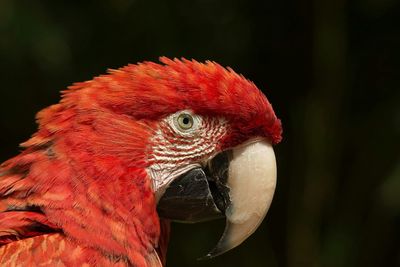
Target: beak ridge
251, 182
237, 183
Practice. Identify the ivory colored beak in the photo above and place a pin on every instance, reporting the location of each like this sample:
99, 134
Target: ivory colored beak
251, 182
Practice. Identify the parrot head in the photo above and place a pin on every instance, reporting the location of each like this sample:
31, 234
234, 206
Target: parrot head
196, 139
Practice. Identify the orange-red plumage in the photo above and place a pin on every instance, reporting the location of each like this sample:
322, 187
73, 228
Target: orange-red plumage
79, 193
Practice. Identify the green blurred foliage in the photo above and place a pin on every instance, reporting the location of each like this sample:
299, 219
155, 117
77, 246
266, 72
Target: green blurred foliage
330, 68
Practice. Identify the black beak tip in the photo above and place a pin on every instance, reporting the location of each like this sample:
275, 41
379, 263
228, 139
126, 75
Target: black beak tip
218, 250
213, 253
206, 257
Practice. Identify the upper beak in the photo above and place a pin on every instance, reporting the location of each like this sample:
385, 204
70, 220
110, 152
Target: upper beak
238, 184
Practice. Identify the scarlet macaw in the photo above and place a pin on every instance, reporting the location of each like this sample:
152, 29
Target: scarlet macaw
123, 154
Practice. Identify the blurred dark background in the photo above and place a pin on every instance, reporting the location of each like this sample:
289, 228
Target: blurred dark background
330, 68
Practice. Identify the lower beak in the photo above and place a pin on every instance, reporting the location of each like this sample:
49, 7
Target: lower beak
238, 184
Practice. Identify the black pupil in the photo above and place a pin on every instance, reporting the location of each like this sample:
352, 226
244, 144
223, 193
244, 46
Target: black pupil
186, 120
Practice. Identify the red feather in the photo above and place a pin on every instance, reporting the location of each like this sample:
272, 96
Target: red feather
80, 193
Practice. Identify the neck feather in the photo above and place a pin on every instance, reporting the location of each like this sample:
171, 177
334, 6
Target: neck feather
97, 202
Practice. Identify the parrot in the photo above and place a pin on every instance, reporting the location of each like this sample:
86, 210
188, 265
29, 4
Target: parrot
124, 155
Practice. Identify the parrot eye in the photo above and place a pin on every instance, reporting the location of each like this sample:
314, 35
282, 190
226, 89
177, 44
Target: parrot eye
185, 121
